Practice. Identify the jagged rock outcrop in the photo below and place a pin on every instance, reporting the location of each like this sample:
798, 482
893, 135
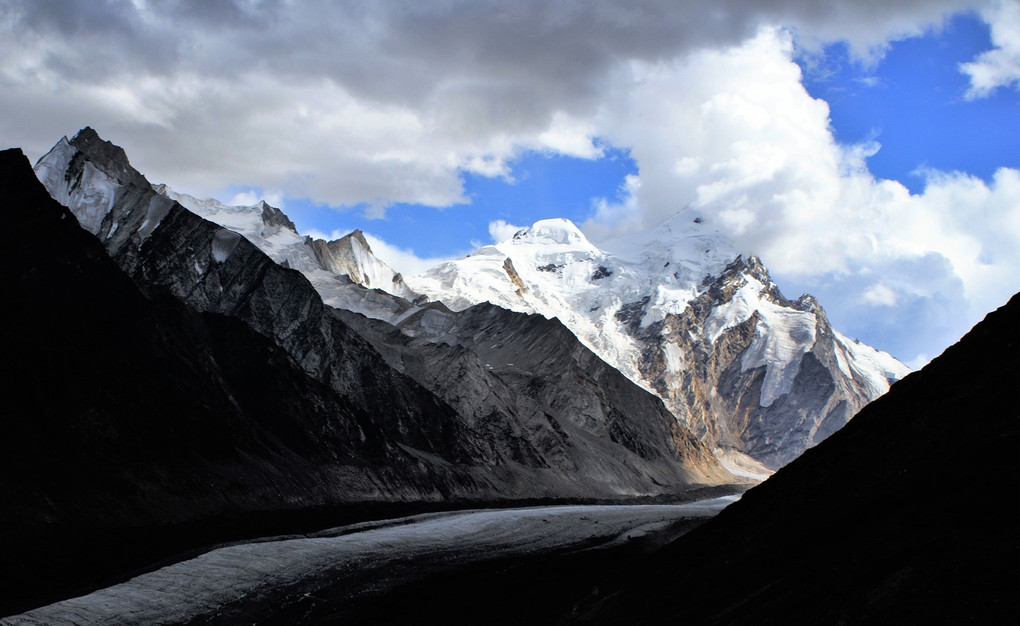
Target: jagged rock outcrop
352, 256
768, 389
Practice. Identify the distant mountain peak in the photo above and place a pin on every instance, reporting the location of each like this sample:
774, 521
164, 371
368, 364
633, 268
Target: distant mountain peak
556, 230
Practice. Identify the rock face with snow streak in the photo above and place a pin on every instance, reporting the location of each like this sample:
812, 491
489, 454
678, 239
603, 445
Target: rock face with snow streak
351, 255
681, 313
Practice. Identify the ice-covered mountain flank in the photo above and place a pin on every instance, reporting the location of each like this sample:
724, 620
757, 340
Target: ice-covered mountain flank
681, 313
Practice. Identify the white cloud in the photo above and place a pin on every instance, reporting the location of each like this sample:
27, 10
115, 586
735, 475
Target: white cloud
918, 362
244, 198
336, 233
880, 294
403, 260
366, 104
1000, 66
500, 231
735, 135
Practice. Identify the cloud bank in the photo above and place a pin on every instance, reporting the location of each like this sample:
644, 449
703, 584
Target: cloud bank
371, 104
366, 103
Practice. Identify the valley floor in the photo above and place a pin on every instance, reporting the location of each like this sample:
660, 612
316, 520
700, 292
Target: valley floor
360, 571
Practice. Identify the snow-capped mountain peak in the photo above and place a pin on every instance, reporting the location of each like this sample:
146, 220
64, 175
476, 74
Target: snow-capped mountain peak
679, 311
559, 231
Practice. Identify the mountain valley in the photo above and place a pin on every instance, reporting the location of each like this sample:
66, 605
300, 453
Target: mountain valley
216, 367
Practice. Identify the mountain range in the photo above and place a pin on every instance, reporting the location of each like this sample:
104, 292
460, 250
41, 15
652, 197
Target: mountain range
175, 361
755, 376
172, 384
677, 309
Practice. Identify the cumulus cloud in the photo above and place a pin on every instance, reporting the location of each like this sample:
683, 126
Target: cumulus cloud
249, 197
880, 294
733, 134
404, 260
1000, 66
336, 233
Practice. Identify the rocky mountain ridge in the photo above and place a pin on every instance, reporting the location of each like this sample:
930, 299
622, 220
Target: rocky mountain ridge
211, 268
756, 376
333, 267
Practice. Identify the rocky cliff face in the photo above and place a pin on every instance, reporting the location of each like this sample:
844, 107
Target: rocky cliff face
771, 381
352, 256
755, 375
435, 419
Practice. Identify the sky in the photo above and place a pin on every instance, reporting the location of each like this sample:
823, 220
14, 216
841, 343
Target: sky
866, 150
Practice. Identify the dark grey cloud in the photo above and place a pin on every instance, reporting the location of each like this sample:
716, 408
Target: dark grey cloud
554, 51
